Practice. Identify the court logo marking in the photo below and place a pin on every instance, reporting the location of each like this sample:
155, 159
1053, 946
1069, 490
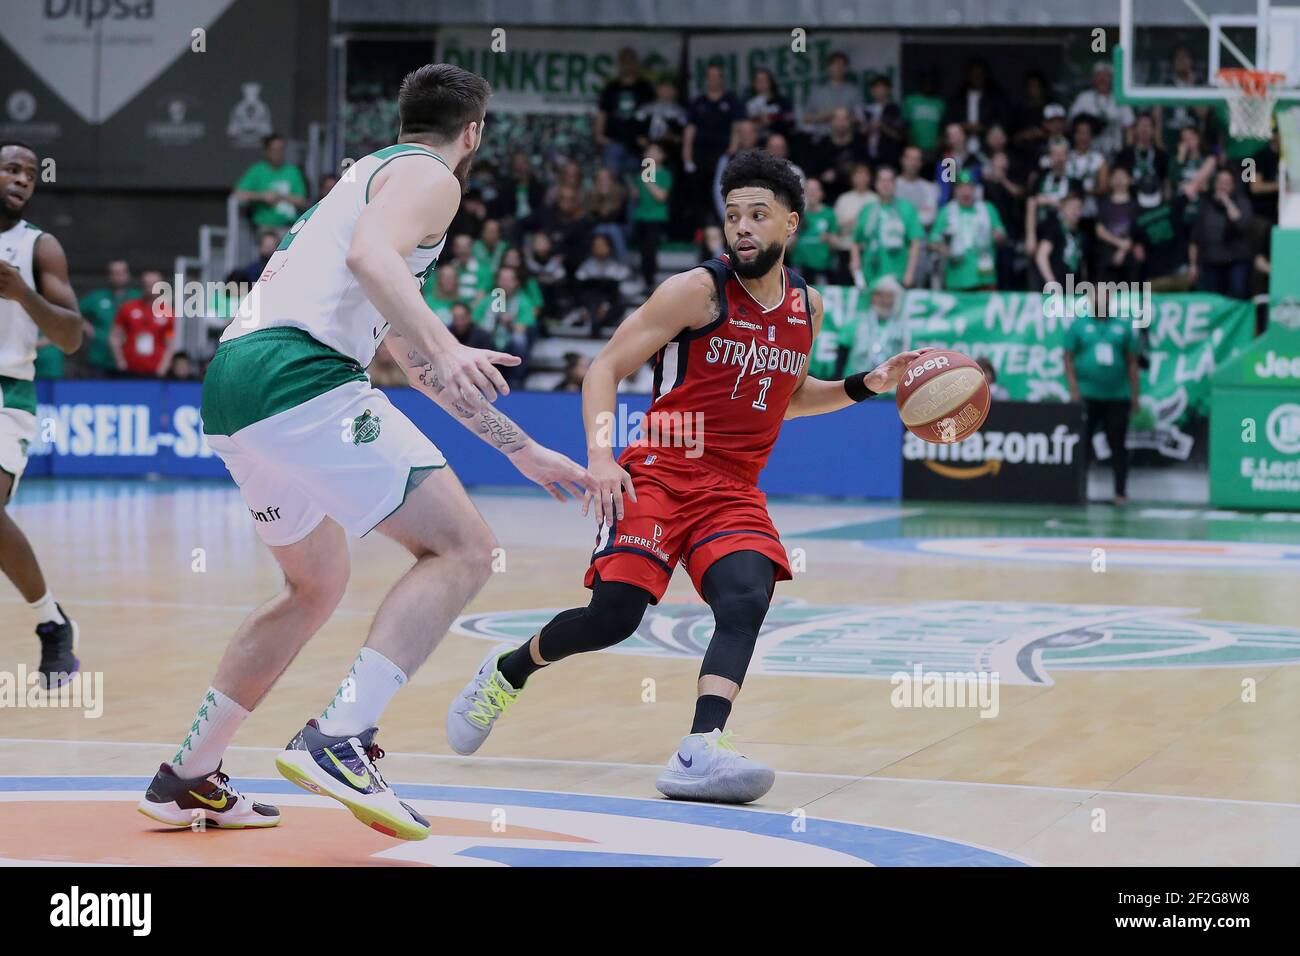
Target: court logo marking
100, 825
1022, 642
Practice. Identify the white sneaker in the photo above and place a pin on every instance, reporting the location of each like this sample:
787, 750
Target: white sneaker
476, 708
709, 767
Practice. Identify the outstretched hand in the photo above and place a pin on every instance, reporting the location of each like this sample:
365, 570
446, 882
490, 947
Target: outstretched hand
560, 475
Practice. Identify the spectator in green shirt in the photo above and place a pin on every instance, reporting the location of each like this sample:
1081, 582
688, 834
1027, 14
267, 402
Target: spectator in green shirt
468, 269
275, 190
815, 245
887, 239
651, 211
444, 292
875, 335
99, 308
49, 359
514, 259
487, 252
510, 318
1101, 370
965, 234
923, 113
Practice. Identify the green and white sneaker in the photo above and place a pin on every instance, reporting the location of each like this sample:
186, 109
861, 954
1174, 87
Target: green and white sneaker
476, 708
709, 767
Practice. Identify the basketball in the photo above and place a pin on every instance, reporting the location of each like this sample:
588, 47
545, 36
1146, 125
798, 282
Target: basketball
943, 397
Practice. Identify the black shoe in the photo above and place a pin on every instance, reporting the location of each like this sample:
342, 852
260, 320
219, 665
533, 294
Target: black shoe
179, 801
58, 643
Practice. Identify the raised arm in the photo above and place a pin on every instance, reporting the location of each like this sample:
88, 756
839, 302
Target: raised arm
687, 300
815, 396
411, 200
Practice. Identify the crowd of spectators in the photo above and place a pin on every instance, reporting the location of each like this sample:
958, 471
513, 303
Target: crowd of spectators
980, 189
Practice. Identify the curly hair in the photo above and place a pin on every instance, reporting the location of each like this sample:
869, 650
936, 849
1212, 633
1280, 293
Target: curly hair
755, 167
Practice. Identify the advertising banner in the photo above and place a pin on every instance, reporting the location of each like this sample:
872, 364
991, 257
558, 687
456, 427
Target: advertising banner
553, 71
1189, 336
136, 428
1255, 425
1025, 452
146, 93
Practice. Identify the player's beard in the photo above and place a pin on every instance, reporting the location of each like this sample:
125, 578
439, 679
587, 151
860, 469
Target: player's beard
11, 210
760, 265
462, 169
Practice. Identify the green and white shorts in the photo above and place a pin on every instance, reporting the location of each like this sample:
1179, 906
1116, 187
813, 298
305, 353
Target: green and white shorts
17, 426
305, 436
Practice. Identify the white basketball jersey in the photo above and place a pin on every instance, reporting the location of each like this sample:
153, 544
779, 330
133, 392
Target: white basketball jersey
18, 333
307, 284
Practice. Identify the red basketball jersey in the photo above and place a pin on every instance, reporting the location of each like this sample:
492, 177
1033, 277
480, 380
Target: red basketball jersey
721, 391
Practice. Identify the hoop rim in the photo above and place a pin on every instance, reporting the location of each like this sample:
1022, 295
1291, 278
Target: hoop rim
1259, 83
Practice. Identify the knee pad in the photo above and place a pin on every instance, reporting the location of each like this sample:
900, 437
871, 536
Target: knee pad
616, 609
741, 609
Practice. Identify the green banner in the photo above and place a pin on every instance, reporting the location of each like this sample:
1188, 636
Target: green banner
553, 71
1255, 427
1189, 336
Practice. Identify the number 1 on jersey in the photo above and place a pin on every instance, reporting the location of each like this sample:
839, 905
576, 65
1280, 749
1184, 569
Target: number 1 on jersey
763, 385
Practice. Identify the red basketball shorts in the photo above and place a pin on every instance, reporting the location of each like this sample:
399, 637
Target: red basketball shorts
683, 513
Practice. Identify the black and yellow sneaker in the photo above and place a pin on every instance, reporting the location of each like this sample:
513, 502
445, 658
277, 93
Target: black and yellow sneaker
178, 802
344, 768
58, 651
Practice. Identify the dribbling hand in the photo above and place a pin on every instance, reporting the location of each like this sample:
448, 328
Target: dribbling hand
884, 377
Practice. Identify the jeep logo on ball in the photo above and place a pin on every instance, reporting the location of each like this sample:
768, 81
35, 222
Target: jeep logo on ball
920, 368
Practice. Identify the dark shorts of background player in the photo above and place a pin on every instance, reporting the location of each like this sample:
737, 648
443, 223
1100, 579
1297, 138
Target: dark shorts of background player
684, 513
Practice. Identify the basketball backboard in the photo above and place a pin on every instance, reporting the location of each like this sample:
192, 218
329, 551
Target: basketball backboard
1170, 51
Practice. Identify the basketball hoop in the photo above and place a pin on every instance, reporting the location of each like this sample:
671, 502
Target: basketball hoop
1251, 95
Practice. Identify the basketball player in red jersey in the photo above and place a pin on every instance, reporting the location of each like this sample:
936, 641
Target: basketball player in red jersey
730, 341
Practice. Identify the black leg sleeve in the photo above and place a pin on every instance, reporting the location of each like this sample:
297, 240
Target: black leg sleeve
738, 587
614, 613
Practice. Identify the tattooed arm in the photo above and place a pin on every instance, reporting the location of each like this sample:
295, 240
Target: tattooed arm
553, 471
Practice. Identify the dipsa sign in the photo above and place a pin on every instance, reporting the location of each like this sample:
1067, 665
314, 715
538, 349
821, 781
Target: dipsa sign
1025, 451
103, 428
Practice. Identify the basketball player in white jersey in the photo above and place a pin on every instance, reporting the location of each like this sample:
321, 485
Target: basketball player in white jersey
36, 301
318, 453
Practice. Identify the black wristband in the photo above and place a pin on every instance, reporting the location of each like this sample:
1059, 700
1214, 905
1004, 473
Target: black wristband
855, 387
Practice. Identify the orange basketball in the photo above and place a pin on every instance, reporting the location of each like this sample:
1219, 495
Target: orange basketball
943, 397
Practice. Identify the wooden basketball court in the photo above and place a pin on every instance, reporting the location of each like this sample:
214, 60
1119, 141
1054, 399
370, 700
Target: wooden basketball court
1144, 710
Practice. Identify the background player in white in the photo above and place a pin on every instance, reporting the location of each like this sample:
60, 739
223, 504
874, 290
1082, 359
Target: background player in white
318, 452
36, 302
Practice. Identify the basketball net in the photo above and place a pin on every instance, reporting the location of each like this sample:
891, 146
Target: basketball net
1251, 95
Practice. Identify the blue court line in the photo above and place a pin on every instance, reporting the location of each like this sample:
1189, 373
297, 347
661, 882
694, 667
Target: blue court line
876, 845
536, 856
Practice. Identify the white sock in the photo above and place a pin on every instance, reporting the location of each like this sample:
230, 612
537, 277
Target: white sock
214, 727
47, 611
363, 695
